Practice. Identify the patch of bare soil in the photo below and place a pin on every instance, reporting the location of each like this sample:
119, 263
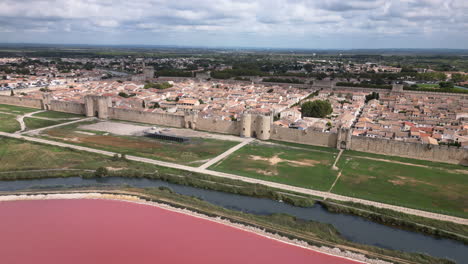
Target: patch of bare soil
404, 180
265, 172
114, 169
276, 159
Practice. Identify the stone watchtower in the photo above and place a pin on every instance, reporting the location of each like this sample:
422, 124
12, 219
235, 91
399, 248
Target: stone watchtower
397, 88
190, 120
343, 140
246, 125
46, 99
97, 106
148, 72
258, 126
263, 127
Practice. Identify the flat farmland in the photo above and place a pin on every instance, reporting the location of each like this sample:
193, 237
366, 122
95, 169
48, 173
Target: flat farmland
19, 155
429, 186
192, 153
297, 165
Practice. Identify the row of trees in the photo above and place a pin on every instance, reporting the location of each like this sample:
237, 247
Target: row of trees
160, 86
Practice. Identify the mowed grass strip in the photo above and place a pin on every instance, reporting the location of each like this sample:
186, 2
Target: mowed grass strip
17, 110
54, 114
440, 188
193, 153
19, 155
8, 123
34, 123
301, 167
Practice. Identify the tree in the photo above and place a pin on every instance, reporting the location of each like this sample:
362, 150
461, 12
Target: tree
446, 84
372, 96
318, 108
101, 172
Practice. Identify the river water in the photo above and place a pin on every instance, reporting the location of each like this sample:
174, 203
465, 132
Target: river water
353, 228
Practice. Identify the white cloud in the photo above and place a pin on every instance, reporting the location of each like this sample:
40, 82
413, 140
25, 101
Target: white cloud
294, 18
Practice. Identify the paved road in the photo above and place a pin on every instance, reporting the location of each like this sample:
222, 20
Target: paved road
325, 195
225, 154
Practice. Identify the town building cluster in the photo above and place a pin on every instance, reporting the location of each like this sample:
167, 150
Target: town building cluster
427, 118
346, 109
223, 100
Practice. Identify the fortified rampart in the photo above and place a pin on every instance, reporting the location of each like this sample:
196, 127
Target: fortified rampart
410, 150
308, 136
67, 107
21, 101
146, 117
249, 125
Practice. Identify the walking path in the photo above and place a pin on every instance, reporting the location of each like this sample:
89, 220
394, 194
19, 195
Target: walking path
325, 195
336, 160
227, 153
36, 131
20, 120
336, 180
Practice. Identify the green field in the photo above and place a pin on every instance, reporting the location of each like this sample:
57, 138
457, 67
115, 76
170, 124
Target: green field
18, 110
18, 155
53, 114
289, 164
34, 123
426, 85
424, 185
8, 123
193, 153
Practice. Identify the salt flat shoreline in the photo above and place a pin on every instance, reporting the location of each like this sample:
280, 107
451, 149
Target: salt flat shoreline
335, 252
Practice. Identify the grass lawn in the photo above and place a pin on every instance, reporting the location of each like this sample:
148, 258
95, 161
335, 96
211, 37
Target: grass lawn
193, 153
18, 110
429, 186
299, 165
8, 123
53, 114
427, 85
22, 155
34, 123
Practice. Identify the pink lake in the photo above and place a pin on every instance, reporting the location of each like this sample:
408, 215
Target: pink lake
105, 231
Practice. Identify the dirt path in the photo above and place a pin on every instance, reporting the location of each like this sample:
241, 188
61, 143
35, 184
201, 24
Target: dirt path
20, 120
37, 131
336, 180
393, 161
325, 195
334, 167
226, 153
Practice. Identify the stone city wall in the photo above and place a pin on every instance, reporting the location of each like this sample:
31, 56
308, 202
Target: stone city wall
21, 101
146, 117
67, 107
308, 136
410, 150
218, 126
262, 128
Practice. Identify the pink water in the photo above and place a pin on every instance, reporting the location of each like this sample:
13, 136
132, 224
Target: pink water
104, 231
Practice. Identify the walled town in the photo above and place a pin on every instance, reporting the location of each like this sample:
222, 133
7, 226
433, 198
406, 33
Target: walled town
353, 133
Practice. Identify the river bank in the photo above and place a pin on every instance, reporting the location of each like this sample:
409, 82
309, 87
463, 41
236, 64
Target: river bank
313, 225
336, 252
432, 227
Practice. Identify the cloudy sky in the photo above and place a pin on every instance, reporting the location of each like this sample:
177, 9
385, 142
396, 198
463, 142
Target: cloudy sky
239, 23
